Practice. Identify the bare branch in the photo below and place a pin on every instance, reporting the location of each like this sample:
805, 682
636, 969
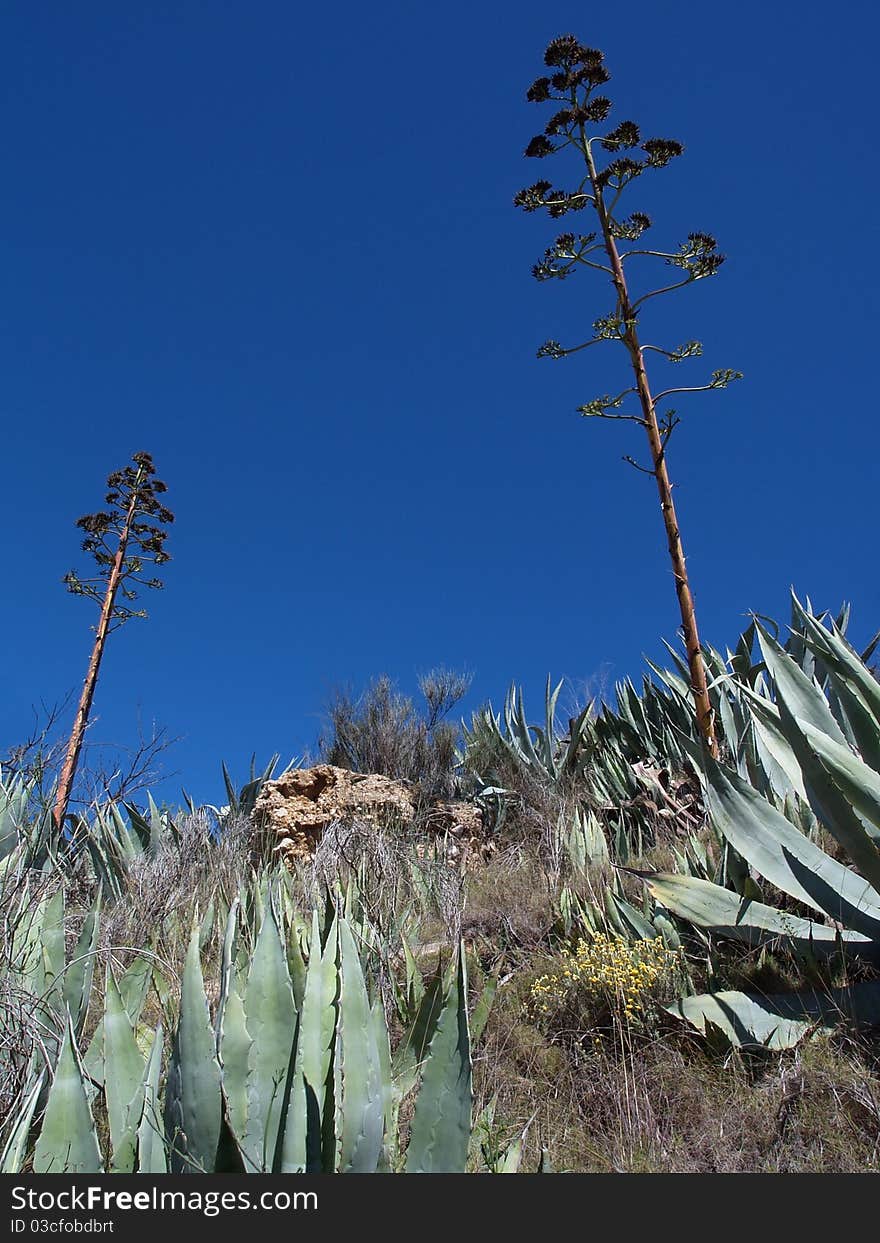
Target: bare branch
655, 293
645, 470
132, 768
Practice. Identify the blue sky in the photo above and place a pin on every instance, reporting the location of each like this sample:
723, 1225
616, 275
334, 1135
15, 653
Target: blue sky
277, 249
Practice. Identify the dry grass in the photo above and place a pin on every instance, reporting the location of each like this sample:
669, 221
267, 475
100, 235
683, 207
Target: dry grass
656, 1101
166, 892
507, 904
664, 1105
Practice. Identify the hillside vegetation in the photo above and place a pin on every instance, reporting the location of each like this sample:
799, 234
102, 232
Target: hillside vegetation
653, 959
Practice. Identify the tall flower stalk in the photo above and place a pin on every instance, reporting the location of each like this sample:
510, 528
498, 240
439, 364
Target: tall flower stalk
123, 540
579, 124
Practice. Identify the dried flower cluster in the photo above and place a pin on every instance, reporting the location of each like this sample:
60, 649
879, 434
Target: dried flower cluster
602, 978
134, 522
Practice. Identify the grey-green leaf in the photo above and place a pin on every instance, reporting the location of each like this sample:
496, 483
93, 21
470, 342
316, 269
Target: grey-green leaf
441, 1123
360, 1121
192, 1093
68, 1141
123, 1078
150, 1140
270, 1015
725, 912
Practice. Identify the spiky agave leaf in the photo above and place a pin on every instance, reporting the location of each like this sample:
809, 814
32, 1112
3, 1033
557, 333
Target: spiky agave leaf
15, 1148
123, 1078
68, 1141
192, 1091
359, 1096
779, 1021
441, 1125
270, 1017
151, 1156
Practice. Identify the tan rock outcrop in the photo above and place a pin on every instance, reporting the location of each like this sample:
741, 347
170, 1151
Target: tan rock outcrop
292, 812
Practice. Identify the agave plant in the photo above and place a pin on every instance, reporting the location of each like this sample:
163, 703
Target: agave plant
637, 753
28, 835
43, 992
542, 750
639, 763
291, 1072
594, 901
815, 718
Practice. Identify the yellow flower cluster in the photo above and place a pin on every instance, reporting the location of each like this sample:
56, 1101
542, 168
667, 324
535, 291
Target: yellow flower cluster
607, 974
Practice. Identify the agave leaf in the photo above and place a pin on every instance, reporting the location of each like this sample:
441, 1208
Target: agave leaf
841, 658
775, 751
150, 1140
78, 976
798, 709
108, 867
868, 652
123, 1077
234, 1048
156, 826
441, 1124
413, 1049
227, 963
207, 925
664, 927
483, 1009
319, 1010
725, 912
296, 966
133, 985
854, 779
746, 1022
52, 939
864, 726
25, 955
383, 1046
270, 1015
312, 1059
784, 856
612, 914
779, 1022
192, 1091
578, 738
550, 699
518, 730
728, 721
14, 1150
14, 798
799, 694
68, 1142
512, 1158
231, 795
299, 1150
641, 927
415, 987
359, 1097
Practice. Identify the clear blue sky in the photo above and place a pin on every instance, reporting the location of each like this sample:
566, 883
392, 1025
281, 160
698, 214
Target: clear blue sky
277, 249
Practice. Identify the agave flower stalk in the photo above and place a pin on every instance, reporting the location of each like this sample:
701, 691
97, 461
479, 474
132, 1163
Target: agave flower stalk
135, 519
578, 71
